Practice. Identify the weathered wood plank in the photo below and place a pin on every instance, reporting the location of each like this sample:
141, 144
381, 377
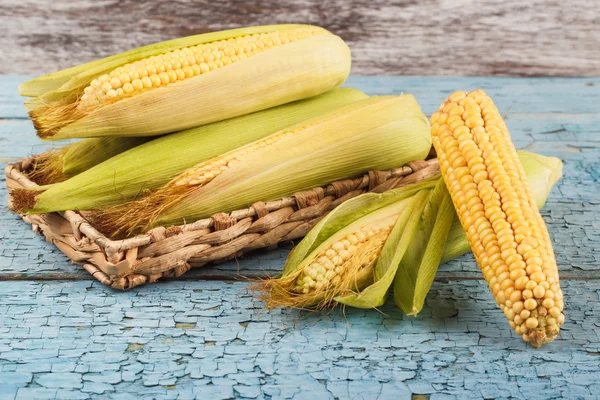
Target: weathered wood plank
430, 37
72, 339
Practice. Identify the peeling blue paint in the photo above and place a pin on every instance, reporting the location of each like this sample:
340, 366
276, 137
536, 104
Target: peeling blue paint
210, 339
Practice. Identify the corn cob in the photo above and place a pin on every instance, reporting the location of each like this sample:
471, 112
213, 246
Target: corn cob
193, 81
404, 231
337, 145
497, 210
542, 174
57, 165
153, 164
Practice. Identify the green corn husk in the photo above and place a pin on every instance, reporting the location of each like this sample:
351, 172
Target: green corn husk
409, 256
374, 134
374, 293
58, 165
281, 74
87, 153
419, 265
153, 164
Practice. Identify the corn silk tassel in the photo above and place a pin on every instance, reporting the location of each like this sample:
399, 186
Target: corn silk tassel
357, 252
187, 82
47, 168
378, 133
132, 173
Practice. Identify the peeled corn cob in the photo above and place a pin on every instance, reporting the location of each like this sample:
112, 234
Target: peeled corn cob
57, 165
337, 145
329, 265
189, 82
153, 164
542, 174
498, 211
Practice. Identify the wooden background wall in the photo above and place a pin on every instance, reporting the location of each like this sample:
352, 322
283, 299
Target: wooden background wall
404, 37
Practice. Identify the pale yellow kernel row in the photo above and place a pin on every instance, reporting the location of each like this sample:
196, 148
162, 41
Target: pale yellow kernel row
358, 250
205, 172
181, 64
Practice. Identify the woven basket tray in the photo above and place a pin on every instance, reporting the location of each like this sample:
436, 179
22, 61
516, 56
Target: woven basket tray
172, 251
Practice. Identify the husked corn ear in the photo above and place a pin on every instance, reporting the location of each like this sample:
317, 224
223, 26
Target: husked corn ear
497, 210
336, 145
132, 173
205, 79
542, 174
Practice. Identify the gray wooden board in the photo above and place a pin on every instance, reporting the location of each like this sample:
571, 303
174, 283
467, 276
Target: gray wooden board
406, 37
72, 340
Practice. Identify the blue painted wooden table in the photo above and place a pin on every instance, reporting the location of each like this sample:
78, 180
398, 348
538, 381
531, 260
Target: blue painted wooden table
65, 336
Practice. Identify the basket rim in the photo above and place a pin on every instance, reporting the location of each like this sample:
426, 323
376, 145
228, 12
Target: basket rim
116, 250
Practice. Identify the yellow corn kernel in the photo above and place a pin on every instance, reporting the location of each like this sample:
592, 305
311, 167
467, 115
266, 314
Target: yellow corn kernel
356, 251
504, 227
168, 65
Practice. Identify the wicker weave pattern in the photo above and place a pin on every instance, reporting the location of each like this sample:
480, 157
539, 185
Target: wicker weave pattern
170, 252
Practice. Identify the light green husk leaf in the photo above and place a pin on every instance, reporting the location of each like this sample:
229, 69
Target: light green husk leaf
154, 163
419, 265
379, 133
392, 253
83, 155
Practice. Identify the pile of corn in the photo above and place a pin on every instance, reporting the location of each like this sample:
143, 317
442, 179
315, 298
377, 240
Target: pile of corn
180, 130
396, 240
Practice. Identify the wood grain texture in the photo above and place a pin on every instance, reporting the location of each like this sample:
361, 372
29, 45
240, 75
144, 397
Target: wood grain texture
405, 37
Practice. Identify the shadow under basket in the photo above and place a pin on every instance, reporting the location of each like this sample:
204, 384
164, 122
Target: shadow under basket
169, 252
